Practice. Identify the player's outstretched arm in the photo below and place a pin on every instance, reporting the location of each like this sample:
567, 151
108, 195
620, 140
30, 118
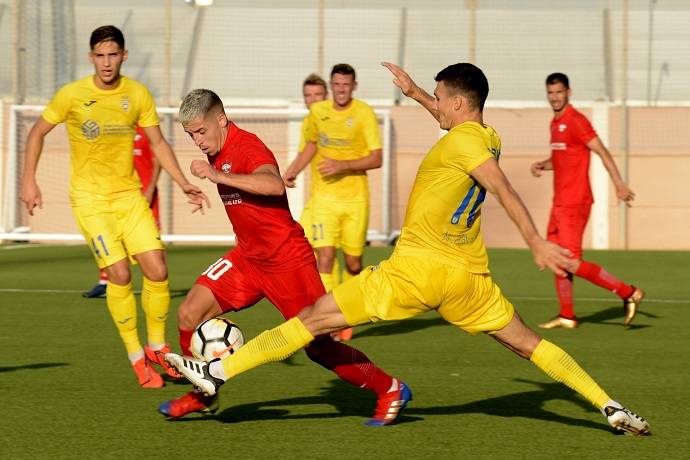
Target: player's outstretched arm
168, 161
298, 164
546, 254
623, 192
410, 89
264, 180
31, 193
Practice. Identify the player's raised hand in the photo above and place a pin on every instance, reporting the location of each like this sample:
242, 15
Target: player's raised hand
549, 255
196, 197
402, 80
624, 194
204, 170
31, 195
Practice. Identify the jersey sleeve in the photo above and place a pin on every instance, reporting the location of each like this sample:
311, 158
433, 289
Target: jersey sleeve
304, 135
257, 154
148, 115
372, 133
466, 152
59, 106
584, 130
310, 130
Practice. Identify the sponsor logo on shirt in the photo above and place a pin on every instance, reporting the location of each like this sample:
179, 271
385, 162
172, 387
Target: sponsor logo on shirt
90, 103
90, 129
456, 238
226, 167
558, 146
231, 199
326, 141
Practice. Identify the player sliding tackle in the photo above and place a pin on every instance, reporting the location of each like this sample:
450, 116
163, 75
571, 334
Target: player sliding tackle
440, 261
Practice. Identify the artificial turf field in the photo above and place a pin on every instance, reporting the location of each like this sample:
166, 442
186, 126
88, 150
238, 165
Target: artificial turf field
67, 389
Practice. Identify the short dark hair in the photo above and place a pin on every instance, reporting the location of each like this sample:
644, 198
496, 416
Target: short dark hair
314, 79
344, 69
467, 79
107, 33
558, 78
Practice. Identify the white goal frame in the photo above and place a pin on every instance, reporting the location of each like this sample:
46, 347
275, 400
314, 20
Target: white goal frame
9, 229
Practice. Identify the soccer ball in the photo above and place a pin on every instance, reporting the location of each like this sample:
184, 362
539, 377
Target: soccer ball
216, 338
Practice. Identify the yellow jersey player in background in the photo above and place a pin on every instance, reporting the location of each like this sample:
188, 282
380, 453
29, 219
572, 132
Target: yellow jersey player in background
344, 141
101, 112
314, 89
440, 262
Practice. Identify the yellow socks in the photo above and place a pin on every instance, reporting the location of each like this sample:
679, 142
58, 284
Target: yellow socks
335, 273
561, 367
123, 309
327, 280
155, 301
272, 345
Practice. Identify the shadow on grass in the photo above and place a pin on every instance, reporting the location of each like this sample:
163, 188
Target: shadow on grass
527, 404
32, 366
613, 316
400, 327
348, 401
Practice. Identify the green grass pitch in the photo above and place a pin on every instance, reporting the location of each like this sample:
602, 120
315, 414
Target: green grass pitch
67, 391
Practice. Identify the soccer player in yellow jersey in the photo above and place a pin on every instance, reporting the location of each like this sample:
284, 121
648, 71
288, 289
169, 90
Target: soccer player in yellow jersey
344, 140
439, 262
101, 112
314, 89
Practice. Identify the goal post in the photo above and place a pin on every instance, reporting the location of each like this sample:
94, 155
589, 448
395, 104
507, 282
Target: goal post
277, 127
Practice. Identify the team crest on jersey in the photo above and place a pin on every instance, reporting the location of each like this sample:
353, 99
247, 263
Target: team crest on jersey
349, 122
90, 129
562, 127
226, 167
124, 103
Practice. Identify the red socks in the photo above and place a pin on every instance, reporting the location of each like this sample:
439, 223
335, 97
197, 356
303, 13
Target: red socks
564, 291
349, 364
185, 341
597, 275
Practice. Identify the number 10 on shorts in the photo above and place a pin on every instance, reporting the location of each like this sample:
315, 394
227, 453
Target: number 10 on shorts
217, 269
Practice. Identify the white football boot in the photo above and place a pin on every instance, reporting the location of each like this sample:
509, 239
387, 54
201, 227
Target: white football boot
626, 421
196, 371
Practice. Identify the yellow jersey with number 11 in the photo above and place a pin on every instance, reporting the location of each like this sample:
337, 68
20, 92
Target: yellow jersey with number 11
443, 215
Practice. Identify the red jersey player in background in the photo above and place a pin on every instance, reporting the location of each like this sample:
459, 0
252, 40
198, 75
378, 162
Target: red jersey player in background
148, 169
273, 259
572, 139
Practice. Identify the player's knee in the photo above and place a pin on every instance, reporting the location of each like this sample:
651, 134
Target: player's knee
319, 350
190, 314
158, 272
119, 274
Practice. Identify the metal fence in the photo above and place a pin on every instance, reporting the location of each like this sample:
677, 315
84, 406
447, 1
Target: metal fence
258, 52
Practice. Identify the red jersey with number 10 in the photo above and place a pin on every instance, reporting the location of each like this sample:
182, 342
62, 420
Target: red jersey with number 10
570, 156
266, 233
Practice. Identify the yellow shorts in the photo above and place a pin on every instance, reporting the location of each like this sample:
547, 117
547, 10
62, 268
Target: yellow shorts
405, 286
119, 227
338, 224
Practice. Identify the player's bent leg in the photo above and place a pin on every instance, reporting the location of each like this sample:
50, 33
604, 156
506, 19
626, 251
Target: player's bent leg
325, 260
560, 366
199, 305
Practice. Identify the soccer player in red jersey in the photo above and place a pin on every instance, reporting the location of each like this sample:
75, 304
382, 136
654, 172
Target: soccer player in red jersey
272, 259
572, 139
148, 169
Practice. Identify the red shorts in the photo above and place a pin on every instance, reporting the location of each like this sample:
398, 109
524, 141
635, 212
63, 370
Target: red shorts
567, 225
237, 283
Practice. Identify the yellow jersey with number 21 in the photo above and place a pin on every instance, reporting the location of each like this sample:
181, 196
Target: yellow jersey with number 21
443, 215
